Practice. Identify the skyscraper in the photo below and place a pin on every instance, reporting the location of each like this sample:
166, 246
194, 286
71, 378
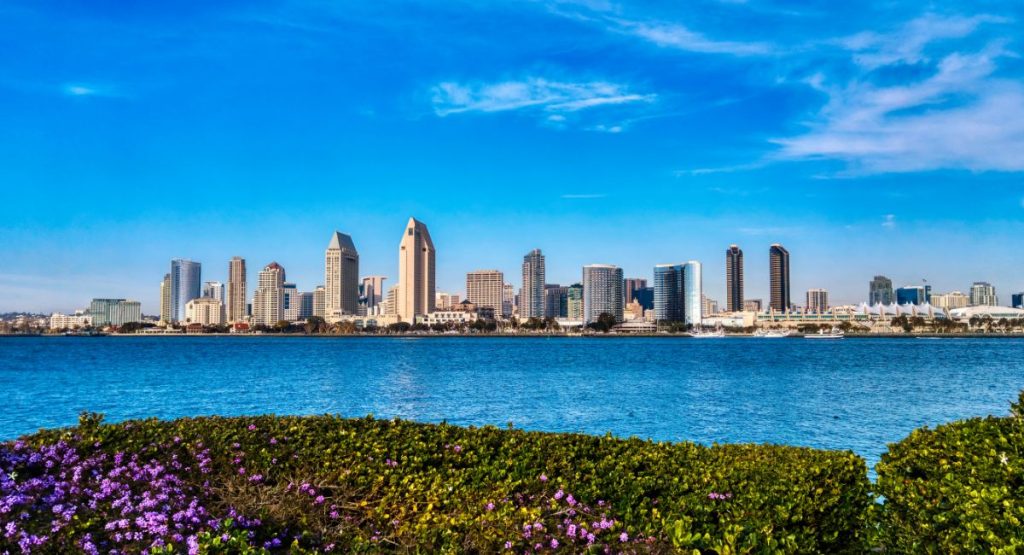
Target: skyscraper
268, 304
214, 290
733, 279
817, 301
486, 289
574, 302
509, 300
319, 301
1017, 300
372, 293
235, 303
291, 302
114, 312
416, 270
678, 293
629, 288
983, 294
341, 276
532, 298
556, 298
185, 286
778, 269
602, 292
165, 300
880, 291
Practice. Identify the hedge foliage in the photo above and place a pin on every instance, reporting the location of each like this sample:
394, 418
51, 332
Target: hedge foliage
956, 489
315, 484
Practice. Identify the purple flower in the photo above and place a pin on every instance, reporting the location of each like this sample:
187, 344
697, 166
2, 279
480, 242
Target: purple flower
543, 478
559, 494
252, 427
490, 506
554, 543
623, 537
508, 545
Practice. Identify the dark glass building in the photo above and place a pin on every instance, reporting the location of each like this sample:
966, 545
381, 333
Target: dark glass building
778, 270
880, 291
733, 279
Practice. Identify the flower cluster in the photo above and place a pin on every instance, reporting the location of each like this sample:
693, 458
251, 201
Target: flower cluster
715, 496
56, 498
565, 523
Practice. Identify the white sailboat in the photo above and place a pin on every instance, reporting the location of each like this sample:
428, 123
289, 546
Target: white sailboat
772, 334
834, 334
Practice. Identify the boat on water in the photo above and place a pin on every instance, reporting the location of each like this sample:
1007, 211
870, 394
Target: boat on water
772, 334
834, 334
701, 334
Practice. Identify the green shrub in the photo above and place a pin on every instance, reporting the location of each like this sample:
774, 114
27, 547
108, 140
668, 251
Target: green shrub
956, 489
368, 485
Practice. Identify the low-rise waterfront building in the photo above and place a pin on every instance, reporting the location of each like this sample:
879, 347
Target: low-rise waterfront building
114, 312
80, 319
989, 311
447, 317
206, 311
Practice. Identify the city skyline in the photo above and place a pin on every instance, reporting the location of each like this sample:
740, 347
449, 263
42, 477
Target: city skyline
646, 133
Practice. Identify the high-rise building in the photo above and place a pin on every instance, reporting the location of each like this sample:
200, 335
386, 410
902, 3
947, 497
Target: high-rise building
268, 305
213, 290
678, 293
753, 305
629, 288
709, 306
341, 276
1017, 300
532, 298
817, 301
778, 268
733, 279
911, 294
486, 289
644, 296
291, 302
114, 312
983, 294
207, 311
319, 301
165, 300
306, 301
574, 302
235, 304
556, 299
509, 300
949, 301
416, 270
447, 301
602, 292
185, 285
371, 294
880, 291
391, 301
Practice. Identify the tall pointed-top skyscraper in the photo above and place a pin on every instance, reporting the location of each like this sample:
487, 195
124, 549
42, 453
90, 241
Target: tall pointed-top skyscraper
532, 299
341, 276
734, 279
778, 268
235, 303
416, 268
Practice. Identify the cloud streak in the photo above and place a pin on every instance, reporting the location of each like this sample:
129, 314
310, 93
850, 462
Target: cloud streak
533, 93
962, 115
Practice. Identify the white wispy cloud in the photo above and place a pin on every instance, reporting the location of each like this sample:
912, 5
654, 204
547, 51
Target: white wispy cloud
963, 114
583, 196
87, 89
552, 97
908, 43
889, 221
680, 37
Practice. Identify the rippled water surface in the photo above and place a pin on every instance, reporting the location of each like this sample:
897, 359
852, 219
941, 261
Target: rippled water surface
854, 394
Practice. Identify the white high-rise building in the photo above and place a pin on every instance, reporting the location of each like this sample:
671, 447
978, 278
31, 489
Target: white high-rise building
949, 301
602, 292
207, 311
319, 301
235, 304
485, 289
214, 290
267, 306
416, 270
983, 294
291, 302
817, 301
341, 277
534, 279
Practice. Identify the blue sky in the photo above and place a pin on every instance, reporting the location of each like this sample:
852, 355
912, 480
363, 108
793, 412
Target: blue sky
868, 138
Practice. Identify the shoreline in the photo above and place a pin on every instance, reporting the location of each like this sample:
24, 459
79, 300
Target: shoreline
527, 336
